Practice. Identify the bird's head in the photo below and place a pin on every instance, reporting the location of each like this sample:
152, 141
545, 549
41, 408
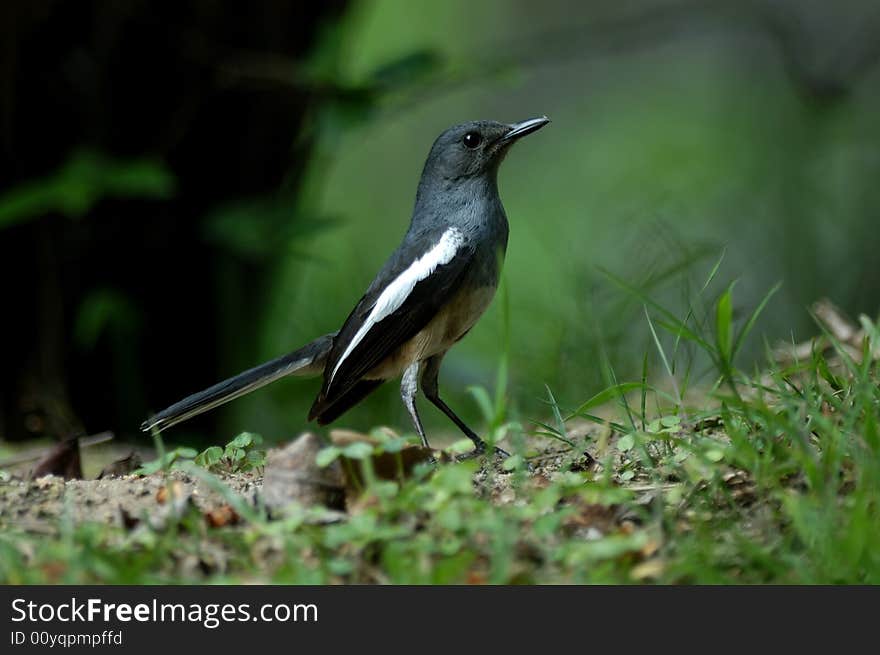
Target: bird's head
476, 148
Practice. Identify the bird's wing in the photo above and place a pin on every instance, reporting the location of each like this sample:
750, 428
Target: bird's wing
392, 312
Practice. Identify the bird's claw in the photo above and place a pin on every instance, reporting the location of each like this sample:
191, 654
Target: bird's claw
480, 450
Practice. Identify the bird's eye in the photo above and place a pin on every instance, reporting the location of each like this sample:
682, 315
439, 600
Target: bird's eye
472, 140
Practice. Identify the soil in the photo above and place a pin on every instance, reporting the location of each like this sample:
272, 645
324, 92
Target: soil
41, 505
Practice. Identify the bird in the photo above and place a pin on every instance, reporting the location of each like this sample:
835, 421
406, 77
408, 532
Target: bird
428, 295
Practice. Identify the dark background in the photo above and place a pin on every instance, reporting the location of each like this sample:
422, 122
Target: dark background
113, 292
187, 189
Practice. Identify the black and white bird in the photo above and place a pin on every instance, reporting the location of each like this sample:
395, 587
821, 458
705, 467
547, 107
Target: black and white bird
426, 297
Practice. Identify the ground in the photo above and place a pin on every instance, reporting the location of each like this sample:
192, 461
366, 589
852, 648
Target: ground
123, 510
769, 477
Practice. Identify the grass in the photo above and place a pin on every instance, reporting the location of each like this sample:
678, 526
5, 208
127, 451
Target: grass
766, 477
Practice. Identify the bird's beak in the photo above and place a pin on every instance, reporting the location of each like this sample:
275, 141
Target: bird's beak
518, 130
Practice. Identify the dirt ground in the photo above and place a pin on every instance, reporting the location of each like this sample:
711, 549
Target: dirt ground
40, 505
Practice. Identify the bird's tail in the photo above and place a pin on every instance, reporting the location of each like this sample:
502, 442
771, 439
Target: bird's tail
308, 360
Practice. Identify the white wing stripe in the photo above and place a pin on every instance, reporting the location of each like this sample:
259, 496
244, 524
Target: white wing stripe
396, 293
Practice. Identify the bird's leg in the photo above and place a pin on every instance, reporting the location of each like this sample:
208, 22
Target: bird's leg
409, 387
430, 387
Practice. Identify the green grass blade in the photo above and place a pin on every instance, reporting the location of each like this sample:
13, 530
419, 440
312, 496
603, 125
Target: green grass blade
679, 330
610, 393
663, 358
724, 326
750, 322
714, 271
557, 415
644, 389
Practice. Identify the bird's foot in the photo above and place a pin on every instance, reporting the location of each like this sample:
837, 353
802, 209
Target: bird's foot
480, 450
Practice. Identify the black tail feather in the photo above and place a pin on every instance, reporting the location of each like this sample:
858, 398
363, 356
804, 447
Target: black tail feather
308, 360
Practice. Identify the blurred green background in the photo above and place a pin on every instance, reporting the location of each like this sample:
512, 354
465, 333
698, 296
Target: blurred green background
223, 183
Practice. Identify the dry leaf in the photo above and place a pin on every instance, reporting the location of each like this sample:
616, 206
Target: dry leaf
62, 460
171, 491
221, 516
650, 547
653, 568
122, 466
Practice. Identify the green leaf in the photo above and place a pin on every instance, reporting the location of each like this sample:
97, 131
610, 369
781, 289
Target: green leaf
235, 455
724, 324
85, 179
714, 271
611, 393
557, 415
714, 455
644, 395
358, 450
550, 431
209, 457
166, 460
679, 330
243, 440
327, 456
483, 401
460, 447
151, 467
256, 458
626, 442
663, 357
411, 68
394, 445
104, 310
512, 462
649, 302
260, 227
822, 367
750, 322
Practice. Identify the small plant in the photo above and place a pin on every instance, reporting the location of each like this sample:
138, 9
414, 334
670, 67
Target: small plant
239, 455
167, 460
